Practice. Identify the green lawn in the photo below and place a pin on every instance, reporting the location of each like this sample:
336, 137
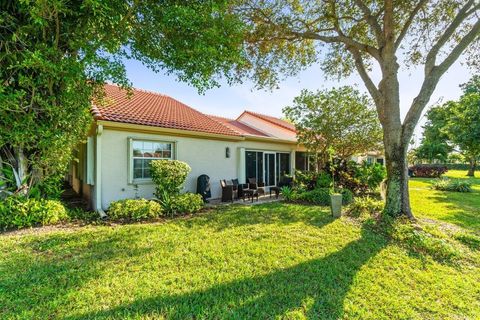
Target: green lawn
260, 262
453, 207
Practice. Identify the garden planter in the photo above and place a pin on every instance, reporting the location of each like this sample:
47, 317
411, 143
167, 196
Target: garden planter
336, 204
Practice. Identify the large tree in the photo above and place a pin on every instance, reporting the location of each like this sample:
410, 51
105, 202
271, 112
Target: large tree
454, 124
340, 119
55, 56
435, 144
356, 35
463, 127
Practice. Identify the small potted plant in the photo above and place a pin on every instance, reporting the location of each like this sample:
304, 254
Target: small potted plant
335, 198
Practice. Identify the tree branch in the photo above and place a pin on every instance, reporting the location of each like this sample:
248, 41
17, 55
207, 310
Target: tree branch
432, 78
432, 55
359, 64
408, 23
372, 21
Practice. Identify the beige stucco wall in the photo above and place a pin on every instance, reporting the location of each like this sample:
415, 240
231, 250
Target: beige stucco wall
205, 156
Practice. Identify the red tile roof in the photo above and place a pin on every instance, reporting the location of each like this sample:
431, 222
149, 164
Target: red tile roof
279, 122
239, 127
154, 109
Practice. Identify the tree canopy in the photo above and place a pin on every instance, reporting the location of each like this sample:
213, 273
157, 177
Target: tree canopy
455, 124
341, 119
55, 56
434, 144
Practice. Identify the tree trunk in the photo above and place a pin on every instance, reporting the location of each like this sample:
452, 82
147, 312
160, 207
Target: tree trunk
471, 170
397, 195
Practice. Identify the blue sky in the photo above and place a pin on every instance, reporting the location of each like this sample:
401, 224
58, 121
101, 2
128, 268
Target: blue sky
230, 101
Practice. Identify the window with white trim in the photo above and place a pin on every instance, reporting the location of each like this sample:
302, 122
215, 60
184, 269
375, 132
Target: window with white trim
143, 152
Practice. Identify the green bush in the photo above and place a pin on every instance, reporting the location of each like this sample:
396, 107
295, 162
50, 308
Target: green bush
169, 177
134, 210
455, 185
319, 197
365, 207
347, 196
185, 203
371, 174
324, 180
288, 193
20, 212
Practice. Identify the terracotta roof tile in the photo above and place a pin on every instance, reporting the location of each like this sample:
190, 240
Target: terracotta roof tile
276, 121
154, 109
239, 127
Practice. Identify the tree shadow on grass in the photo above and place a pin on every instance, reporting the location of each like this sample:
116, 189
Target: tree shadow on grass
316, 288
37, 278
462, 212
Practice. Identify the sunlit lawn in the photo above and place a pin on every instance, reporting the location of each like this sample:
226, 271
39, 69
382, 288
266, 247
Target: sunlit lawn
462, 209
260, 262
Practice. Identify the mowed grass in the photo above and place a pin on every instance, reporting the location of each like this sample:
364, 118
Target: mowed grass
462, 209
260, 262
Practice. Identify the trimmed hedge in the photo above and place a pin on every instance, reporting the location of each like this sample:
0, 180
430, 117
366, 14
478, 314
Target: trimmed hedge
428, 170
186, 203
20, 212
134, 210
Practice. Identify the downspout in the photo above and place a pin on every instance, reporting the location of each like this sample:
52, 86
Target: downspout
98, 173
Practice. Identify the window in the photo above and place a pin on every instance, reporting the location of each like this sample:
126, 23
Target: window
143, 152
301, 161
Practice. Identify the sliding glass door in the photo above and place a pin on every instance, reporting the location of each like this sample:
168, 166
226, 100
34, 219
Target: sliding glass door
267, 166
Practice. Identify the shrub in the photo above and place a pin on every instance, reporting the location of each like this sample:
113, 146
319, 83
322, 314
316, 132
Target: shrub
306, 179
168, 176
20, 212
134, 210
371, 174
185, 203
319, 197
455, 185
287, 193
428, 170
347, 196
365, 207
324, 180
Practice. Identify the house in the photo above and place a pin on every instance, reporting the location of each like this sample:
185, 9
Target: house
129, 131
132, 130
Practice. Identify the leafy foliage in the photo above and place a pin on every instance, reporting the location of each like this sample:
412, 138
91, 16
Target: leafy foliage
341, 118
428, 170
20, 212
134, 210
365, 207
56, 55
434, 145
319, 196
185, 203
169, 177
456, 185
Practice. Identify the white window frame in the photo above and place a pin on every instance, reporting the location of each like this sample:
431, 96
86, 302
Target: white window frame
131, 140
